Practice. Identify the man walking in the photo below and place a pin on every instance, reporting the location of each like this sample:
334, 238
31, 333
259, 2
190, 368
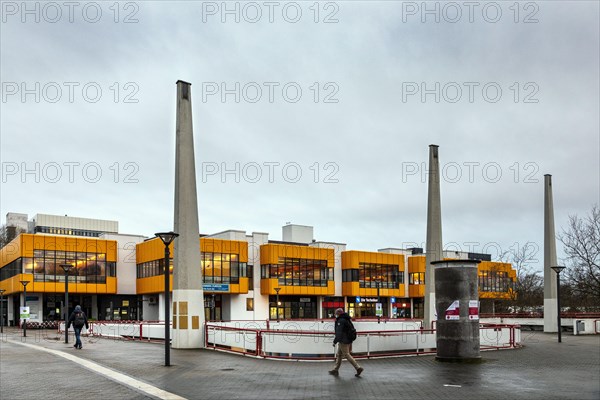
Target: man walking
343, 325
78, 319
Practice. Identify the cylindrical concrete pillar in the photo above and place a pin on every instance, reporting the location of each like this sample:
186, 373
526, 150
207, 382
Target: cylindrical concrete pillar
457, 307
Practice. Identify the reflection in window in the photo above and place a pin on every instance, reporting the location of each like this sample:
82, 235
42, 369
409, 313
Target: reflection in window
416, 278
87, 267
385, 276
298, 272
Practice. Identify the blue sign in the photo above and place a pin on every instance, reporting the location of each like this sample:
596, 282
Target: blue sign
393, 299
358, 299
216, 287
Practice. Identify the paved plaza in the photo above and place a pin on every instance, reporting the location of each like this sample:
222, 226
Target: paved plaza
42, 366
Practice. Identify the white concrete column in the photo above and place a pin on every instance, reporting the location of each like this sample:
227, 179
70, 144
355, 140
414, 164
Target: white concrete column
188, 297
550, 306
434, 234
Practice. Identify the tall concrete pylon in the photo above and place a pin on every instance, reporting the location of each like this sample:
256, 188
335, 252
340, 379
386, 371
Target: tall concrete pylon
188, 297
550, 306
434, 235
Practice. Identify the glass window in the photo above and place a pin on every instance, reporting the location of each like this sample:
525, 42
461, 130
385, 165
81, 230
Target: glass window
50, 270
28, 265
217, 266
225, 268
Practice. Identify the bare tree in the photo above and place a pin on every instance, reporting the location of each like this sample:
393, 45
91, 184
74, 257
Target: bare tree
528, 290
581, 240
8, 233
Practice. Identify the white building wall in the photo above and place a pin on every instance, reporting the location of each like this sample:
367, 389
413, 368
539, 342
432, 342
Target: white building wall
297, 233
151, 308
126, 266
261, 302
229, 235
18, 220
58, 221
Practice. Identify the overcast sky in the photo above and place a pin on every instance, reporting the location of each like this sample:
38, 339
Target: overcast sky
311, 113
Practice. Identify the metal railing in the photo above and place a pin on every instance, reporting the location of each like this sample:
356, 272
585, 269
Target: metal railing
317, 345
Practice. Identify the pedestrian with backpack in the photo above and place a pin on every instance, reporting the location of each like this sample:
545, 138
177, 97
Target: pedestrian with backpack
79, 320
345, 334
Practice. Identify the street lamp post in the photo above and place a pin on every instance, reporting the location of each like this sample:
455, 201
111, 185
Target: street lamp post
277, 289
66, 268
378, 302
2, 310
558, 269
167, 238
24, 283
213, 307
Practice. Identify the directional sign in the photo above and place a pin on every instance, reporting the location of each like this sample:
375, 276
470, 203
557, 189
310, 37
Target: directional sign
216, 287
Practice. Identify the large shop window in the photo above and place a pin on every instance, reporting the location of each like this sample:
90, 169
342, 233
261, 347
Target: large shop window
298, 272
222, 268
384, 275
494, 281
89, 267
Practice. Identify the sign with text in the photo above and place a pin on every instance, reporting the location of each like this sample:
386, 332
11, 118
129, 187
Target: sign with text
453, 311
473, 309
378, 310
216, 287
24, 312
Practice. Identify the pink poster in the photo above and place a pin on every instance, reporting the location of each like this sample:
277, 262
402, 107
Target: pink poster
473, 309
453, 311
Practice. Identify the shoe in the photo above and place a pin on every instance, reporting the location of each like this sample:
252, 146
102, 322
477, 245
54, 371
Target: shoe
359, 371
79, 347
75, 345
334, 372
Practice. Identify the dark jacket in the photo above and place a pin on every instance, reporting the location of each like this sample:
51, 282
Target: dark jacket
72, 318
342, 327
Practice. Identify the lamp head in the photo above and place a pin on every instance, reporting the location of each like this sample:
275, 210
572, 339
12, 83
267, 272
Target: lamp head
66, 267
166, 237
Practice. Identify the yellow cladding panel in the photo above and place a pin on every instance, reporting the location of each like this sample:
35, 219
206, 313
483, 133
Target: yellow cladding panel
243, 285
111, 250
495, 295
24, 245
210, 245
416, 290
13, 285
416, 264
495, 266
154, 249
81, 245
350, 288
151, 250
27, 245
71, 244
270, 253
11, 251
352, 259
153, 284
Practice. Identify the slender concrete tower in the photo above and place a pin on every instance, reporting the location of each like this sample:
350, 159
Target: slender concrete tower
434, 234
188, 297
550, 306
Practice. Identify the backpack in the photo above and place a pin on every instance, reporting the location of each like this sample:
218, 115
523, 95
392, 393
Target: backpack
351, 332
79, 320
